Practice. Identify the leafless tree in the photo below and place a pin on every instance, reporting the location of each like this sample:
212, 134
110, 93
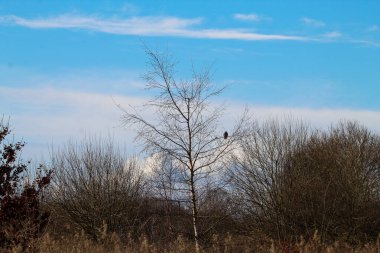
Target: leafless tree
168, 190
95, 185
186, 127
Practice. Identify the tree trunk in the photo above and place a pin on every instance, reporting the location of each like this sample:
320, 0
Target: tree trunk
194, 212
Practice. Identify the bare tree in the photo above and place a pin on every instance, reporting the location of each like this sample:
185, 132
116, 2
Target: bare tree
186, 127
95, 185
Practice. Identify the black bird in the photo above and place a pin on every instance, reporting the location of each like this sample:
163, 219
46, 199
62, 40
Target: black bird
225, 135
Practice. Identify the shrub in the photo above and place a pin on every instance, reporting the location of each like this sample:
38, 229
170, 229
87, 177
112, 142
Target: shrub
21, 216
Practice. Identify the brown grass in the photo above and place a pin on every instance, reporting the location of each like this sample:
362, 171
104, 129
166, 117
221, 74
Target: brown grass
110, 243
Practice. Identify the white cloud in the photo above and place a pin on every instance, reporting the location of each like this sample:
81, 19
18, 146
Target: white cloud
322, 118
332, 35
46, 115
49, 115
237, 35
134, 25
312, 22
247, 17
367, 43
142, 26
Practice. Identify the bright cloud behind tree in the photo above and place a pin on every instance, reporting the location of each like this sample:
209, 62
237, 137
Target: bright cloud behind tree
63, 66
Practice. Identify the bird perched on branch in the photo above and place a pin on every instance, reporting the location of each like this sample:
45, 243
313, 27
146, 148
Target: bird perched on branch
225, 135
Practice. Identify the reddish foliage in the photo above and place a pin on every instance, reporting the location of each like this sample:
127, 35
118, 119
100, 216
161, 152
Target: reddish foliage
21, 216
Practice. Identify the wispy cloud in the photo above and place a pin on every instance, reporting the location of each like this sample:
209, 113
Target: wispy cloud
143, 26
367, 43
312, 22
134, 25
332, 35
248, 17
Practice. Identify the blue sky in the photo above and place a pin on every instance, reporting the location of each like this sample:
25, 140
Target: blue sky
64, 63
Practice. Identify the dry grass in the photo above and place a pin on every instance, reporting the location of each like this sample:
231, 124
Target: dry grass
111, 243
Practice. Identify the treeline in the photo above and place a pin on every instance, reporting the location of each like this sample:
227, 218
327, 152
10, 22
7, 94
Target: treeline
284, 181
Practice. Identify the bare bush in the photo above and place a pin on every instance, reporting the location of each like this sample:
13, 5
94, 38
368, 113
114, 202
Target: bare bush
258, 169
294, 181
95, 185
333, 184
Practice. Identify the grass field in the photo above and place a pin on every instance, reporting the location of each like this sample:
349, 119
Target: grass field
110, 243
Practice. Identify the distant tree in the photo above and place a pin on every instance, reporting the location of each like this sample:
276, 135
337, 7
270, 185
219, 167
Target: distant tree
169, 191
21, 216
186, 127
168, 186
